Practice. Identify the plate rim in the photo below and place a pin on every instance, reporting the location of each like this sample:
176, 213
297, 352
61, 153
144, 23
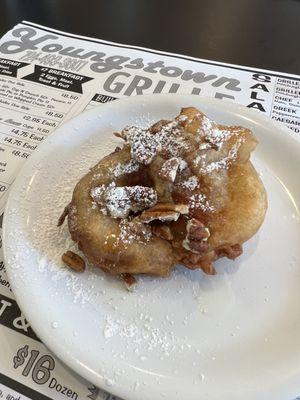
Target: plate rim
64, 356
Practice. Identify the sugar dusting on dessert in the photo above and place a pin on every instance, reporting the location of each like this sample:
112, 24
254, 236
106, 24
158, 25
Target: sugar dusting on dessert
214, 133
145, 144
132, 231
118, 202
225, 162
169, 169
166, 137
200, 201
191, 183
124, 169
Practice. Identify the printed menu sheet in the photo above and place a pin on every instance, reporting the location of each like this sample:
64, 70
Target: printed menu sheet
47, 77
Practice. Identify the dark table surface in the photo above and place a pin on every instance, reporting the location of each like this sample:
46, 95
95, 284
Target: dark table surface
257, 33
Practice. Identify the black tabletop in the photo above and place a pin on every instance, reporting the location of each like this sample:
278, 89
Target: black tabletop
257, 33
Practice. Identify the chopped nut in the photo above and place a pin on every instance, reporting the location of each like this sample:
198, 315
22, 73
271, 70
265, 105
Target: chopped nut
196, 236
119, 135
208, 268
169, 169
230, 252
164, 216
193, 261
162, 231
62, 218
164, 212
74, 261
181, 208
197, 230
194, 246
130, 281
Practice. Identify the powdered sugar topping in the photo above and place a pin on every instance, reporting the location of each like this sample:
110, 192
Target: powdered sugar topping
145, 143
191, 183
118, 202
169, 169
125, 169
132, 231
224, 162
200, 201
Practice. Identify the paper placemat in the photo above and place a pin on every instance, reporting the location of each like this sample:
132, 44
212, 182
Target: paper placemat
47, 77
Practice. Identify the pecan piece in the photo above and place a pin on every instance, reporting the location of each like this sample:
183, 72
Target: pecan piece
181, 208
208, 268
74, 261
230, 252
162, 231
164, 212
196, 236
62, 218
169, 169
192, 261
195, 246
129, 281
119, 135
164, 216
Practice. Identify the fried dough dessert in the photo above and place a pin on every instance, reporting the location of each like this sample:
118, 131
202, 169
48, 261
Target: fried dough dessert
181, 192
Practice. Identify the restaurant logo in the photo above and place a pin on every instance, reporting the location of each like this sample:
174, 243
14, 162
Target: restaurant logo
30, 40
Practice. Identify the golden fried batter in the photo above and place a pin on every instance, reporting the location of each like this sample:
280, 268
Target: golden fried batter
182, 191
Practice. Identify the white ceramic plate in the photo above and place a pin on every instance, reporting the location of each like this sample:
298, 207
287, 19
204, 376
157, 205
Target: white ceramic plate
232, 336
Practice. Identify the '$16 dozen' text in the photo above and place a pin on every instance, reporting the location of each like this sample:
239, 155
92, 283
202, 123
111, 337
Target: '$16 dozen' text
39, 368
